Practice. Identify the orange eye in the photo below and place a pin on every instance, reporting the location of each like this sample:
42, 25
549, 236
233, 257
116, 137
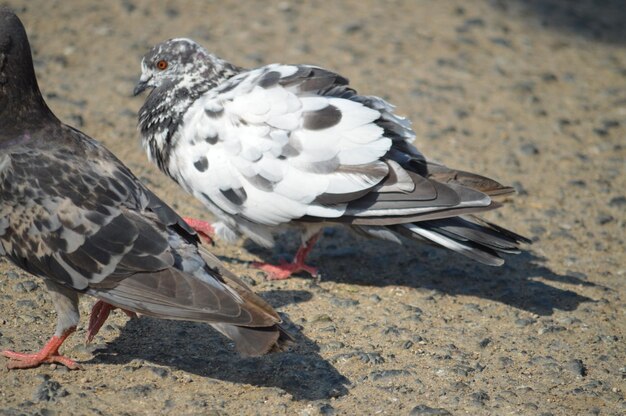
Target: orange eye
161, 65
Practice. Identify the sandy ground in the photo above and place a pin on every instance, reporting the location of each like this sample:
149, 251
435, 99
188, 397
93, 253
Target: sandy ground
530, 92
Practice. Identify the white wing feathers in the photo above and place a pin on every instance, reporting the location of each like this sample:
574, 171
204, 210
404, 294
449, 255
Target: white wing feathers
265, 151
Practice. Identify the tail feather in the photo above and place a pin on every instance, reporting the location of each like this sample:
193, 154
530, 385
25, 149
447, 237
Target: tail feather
470, 236
464, 230
249, 341
256, 341
471, 180
212, 295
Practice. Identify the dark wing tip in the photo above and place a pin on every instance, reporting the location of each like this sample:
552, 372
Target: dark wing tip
256, 341
506, 232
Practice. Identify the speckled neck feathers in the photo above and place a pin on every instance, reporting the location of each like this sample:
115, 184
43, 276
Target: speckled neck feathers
165, 107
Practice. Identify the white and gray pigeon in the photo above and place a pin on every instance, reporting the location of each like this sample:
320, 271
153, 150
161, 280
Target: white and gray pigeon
296, 145
74, 215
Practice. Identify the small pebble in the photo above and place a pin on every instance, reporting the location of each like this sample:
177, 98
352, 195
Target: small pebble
549, 77
603, 219
524, 322
25, 304
501, 42
140, 390
618, 202
248, 280
375, 298
484, 343
332, 346
519, 188
29, 285
160, 371
406, 344
480, 397
505, 362
49, 390
322, 318
384, 374
326, 410
344, 303
550, 329
529, 149
353, 27
577, 367
12, 275
423, 410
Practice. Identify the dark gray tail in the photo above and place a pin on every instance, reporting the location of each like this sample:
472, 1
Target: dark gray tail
473, 237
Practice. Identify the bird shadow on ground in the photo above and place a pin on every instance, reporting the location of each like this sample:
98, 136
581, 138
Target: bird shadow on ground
198, 349
517, 283
598, 20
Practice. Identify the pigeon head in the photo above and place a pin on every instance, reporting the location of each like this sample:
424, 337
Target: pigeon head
178, 71
181, 63
20, 98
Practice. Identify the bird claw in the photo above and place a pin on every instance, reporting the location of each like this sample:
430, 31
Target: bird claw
99, 314
204, 229
284, 270
48, 354
20, 360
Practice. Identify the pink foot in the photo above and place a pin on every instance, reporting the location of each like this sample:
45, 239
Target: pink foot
284, 270
99, 314
48, 354
204, 229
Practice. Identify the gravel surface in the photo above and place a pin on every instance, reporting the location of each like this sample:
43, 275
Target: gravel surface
532, 93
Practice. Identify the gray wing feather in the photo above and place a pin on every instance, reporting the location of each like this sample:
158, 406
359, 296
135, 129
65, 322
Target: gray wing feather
71, 232
173, 294
93, 227
422, 199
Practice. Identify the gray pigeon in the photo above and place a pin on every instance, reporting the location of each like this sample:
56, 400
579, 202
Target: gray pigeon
295, 145
74, 215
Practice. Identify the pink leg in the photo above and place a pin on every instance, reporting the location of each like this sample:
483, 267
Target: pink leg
285, 270
204, 229
48, 354
99, 314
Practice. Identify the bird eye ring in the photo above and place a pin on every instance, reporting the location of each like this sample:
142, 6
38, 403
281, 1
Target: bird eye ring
162, 64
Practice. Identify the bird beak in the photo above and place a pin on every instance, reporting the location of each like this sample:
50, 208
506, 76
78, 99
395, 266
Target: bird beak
142, 84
